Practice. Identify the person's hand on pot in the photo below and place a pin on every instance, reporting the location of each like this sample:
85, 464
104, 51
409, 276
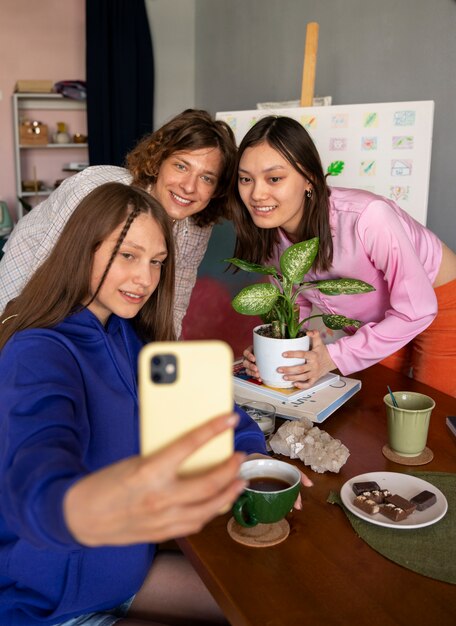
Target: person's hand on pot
318, 363
249, 362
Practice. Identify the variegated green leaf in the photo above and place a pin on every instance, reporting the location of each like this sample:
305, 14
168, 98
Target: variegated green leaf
256, 299
342, 286
297, 260
252, 267
339, 322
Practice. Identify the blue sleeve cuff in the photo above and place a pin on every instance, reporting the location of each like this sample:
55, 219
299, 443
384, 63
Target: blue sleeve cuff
248, 437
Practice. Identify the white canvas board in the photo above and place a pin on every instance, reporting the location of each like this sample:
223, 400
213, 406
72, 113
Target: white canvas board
385, 147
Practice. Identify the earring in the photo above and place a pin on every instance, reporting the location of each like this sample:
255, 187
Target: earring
309, 193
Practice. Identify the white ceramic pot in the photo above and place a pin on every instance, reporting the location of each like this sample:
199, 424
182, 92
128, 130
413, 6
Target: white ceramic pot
268, 354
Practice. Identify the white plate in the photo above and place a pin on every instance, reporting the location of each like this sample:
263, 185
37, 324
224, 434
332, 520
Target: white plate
405, 486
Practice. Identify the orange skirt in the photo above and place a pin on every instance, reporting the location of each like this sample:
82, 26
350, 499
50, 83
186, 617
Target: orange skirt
431, 356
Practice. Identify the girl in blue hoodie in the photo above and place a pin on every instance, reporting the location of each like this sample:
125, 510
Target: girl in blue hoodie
80, 511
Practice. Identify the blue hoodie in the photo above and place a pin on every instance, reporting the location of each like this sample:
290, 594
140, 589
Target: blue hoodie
69, 407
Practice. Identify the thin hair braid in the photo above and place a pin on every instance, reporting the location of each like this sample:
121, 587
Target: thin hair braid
133, 215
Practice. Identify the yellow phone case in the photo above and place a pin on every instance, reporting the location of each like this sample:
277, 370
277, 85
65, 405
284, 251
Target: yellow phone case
202, 390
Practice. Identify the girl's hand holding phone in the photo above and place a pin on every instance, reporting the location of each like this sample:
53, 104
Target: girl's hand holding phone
144, 499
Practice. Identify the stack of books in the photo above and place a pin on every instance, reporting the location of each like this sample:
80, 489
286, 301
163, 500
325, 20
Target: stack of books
316, 403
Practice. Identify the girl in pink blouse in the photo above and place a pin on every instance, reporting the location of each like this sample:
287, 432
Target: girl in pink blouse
282, 198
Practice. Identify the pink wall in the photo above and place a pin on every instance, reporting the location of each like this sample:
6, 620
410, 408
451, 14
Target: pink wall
38, 40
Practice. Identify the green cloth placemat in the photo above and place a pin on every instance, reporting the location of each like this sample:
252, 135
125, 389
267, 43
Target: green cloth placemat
431, 550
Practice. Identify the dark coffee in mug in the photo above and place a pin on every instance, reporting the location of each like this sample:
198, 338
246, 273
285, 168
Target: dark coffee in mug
268, 483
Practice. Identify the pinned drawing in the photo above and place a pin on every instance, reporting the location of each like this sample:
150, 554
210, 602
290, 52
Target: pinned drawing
309, 121
367, 168
340, 120
404, 118
399, 192
371, 120
403, 142
369, 142
338, 143
401, 167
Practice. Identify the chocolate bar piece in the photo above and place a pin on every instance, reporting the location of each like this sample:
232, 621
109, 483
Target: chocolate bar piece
424, 500
358, 488
401, 503
395, 513
374, 495
366, 504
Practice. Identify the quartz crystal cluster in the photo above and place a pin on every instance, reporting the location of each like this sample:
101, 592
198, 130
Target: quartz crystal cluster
300, 439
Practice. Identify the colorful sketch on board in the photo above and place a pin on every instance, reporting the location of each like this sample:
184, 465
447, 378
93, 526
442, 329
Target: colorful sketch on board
309, 121
369, 143
231, 120
401, 167
339, 121
404, 118
367, 168
370, 120
338, 143
399, 192
403, 142
253, 121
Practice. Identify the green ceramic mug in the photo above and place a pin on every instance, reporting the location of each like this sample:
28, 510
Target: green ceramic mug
408, 423
272, 489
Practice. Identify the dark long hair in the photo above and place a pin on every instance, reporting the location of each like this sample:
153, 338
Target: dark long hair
62, 282
293, 142
192, 129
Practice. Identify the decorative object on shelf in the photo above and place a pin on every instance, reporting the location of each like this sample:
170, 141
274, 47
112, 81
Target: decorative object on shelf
32, 185
79, 138
75, 89
33, 133
62, 135
74, 166
34, 86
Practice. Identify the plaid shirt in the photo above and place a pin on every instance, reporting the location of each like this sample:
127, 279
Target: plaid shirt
36, 233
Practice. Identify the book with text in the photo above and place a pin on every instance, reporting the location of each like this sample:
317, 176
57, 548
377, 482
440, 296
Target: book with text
242, 381
316, 406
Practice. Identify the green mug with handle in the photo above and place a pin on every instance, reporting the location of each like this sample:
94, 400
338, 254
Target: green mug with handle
271, 492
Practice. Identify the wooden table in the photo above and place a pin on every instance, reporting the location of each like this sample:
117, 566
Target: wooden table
324, 574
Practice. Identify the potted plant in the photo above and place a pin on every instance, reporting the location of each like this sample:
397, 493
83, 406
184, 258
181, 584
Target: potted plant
275, 303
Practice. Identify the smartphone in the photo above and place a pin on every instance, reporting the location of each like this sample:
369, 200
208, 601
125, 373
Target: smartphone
451, 423
182, 385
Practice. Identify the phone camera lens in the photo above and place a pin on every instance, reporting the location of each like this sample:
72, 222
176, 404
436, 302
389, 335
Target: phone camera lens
156, 360
156, 378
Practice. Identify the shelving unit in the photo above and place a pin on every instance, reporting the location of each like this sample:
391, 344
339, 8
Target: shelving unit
25, 105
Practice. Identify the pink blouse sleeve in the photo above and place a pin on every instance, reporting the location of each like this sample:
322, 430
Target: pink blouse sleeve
413, 303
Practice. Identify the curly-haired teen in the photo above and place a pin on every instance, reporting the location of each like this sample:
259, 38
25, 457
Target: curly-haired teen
80, 510
281, 197
187, 165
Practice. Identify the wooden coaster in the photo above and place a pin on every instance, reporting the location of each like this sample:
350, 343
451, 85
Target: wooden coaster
425, 457
259, 536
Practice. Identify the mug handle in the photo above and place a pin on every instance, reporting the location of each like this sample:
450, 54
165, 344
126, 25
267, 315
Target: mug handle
240, 511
